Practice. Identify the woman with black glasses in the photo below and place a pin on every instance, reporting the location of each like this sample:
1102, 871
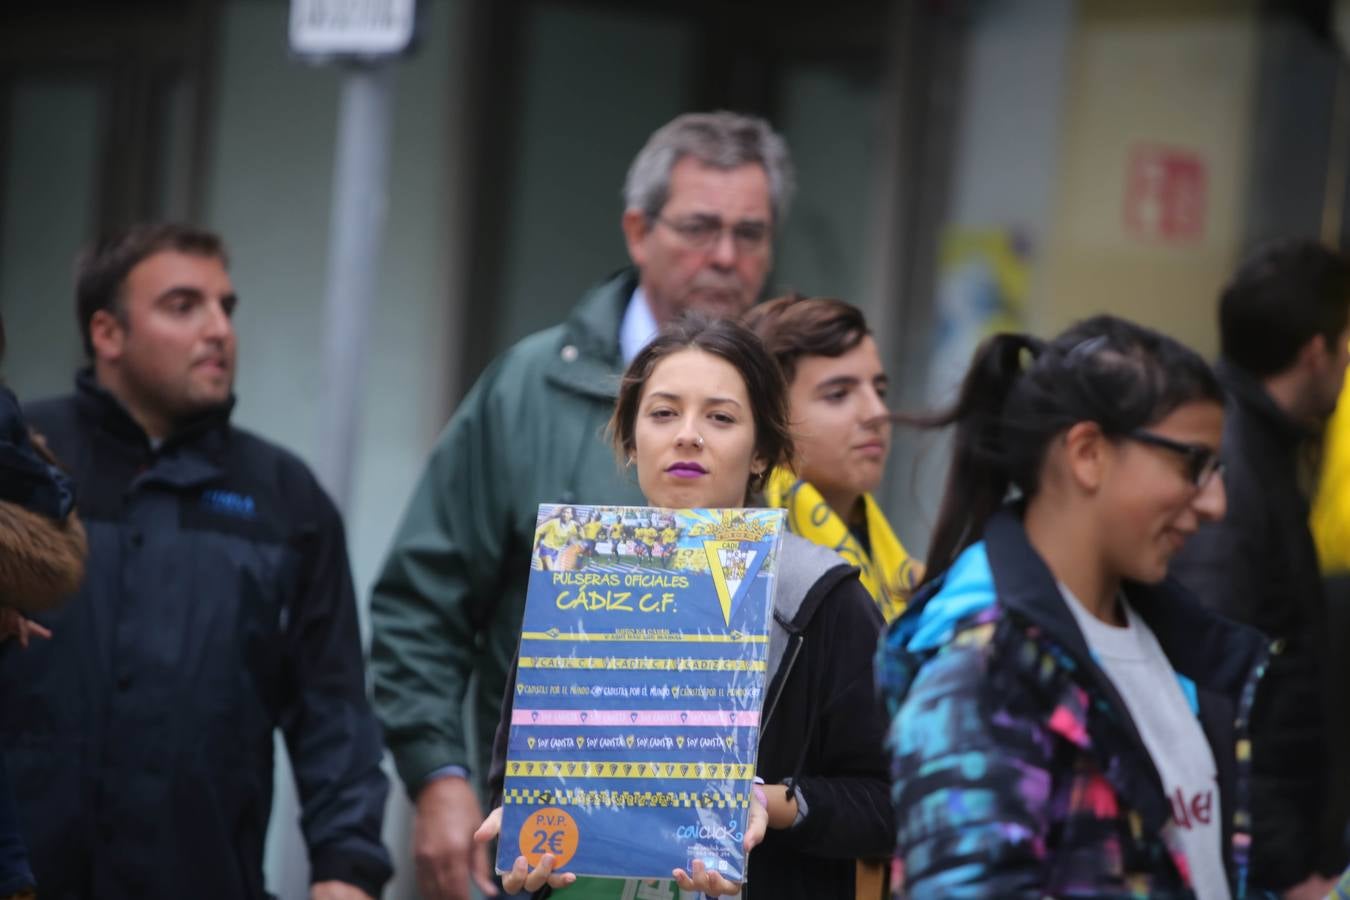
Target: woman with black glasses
1067, 722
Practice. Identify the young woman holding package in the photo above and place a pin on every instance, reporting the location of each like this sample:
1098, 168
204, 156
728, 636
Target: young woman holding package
1067, 722
841, 430
702, 417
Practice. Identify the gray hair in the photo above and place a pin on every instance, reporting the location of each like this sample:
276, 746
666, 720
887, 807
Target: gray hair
723, 140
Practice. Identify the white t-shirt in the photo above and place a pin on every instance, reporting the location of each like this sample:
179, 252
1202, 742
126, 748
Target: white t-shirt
1145, 680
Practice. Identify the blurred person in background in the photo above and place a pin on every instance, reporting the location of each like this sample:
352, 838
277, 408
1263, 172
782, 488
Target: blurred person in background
841, 428
703, 199
217, 609
1284, 327
42, 550
1067, 721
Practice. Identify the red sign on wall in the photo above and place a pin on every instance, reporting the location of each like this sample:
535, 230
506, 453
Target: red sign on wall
1165, 194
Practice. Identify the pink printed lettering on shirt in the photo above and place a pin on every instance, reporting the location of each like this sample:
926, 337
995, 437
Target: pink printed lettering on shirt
1199, 810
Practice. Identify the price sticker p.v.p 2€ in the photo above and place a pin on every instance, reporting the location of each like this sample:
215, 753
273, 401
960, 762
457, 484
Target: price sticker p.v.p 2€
550, 830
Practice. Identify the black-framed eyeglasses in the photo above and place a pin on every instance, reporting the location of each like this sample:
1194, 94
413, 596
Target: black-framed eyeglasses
705, 232
1202, 463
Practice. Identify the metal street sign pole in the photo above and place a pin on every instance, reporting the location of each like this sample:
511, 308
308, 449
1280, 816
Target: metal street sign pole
355, 240
367, 36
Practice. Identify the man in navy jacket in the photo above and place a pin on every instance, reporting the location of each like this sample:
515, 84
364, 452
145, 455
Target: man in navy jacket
217, 608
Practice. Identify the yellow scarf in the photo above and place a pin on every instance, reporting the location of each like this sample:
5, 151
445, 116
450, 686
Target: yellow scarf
889, 573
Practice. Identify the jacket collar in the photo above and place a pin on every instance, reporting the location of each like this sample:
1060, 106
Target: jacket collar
1002, 577
1004, 571
589, 349
1247, 392
1215, 653
1025, 584
1027, 588
205, 431
1217, 656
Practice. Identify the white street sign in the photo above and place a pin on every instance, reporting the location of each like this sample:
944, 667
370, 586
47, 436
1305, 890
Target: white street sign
364, 28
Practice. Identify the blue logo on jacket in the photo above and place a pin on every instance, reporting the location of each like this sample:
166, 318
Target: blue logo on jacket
230, 503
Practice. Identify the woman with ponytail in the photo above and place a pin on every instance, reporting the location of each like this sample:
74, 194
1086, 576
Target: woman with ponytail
1067, 722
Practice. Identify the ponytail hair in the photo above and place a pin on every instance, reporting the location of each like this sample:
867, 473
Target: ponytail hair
978, 478
1021, 392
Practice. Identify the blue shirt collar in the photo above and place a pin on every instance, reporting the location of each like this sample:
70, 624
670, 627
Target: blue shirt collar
638, 326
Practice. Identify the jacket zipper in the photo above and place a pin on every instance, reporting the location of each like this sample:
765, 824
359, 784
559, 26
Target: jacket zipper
1243, 726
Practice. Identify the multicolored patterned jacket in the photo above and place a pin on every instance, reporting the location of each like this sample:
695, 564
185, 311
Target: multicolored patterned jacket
1017, 771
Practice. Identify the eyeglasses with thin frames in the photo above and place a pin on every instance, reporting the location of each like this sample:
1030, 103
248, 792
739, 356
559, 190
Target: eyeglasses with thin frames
705, 232
1202, 463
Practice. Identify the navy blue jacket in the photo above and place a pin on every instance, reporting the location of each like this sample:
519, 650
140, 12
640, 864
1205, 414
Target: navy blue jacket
217, 607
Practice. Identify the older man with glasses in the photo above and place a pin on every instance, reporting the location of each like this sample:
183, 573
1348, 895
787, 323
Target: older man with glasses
702, 201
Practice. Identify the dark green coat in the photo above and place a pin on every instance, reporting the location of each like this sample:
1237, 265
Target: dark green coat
449, 600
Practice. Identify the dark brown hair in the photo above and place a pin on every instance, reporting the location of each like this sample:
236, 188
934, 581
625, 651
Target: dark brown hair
102, 268
1282, 297
795, 326
736, 344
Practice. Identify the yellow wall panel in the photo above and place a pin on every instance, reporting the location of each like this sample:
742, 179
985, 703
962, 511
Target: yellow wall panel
1145, 78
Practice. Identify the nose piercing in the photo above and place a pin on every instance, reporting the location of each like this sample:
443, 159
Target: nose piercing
698, 442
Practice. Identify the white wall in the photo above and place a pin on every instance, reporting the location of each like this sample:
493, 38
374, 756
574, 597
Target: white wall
830, 119
48, 193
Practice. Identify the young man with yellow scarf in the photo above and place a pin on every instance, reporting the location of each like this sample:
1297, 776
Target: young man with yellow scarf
842, 431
